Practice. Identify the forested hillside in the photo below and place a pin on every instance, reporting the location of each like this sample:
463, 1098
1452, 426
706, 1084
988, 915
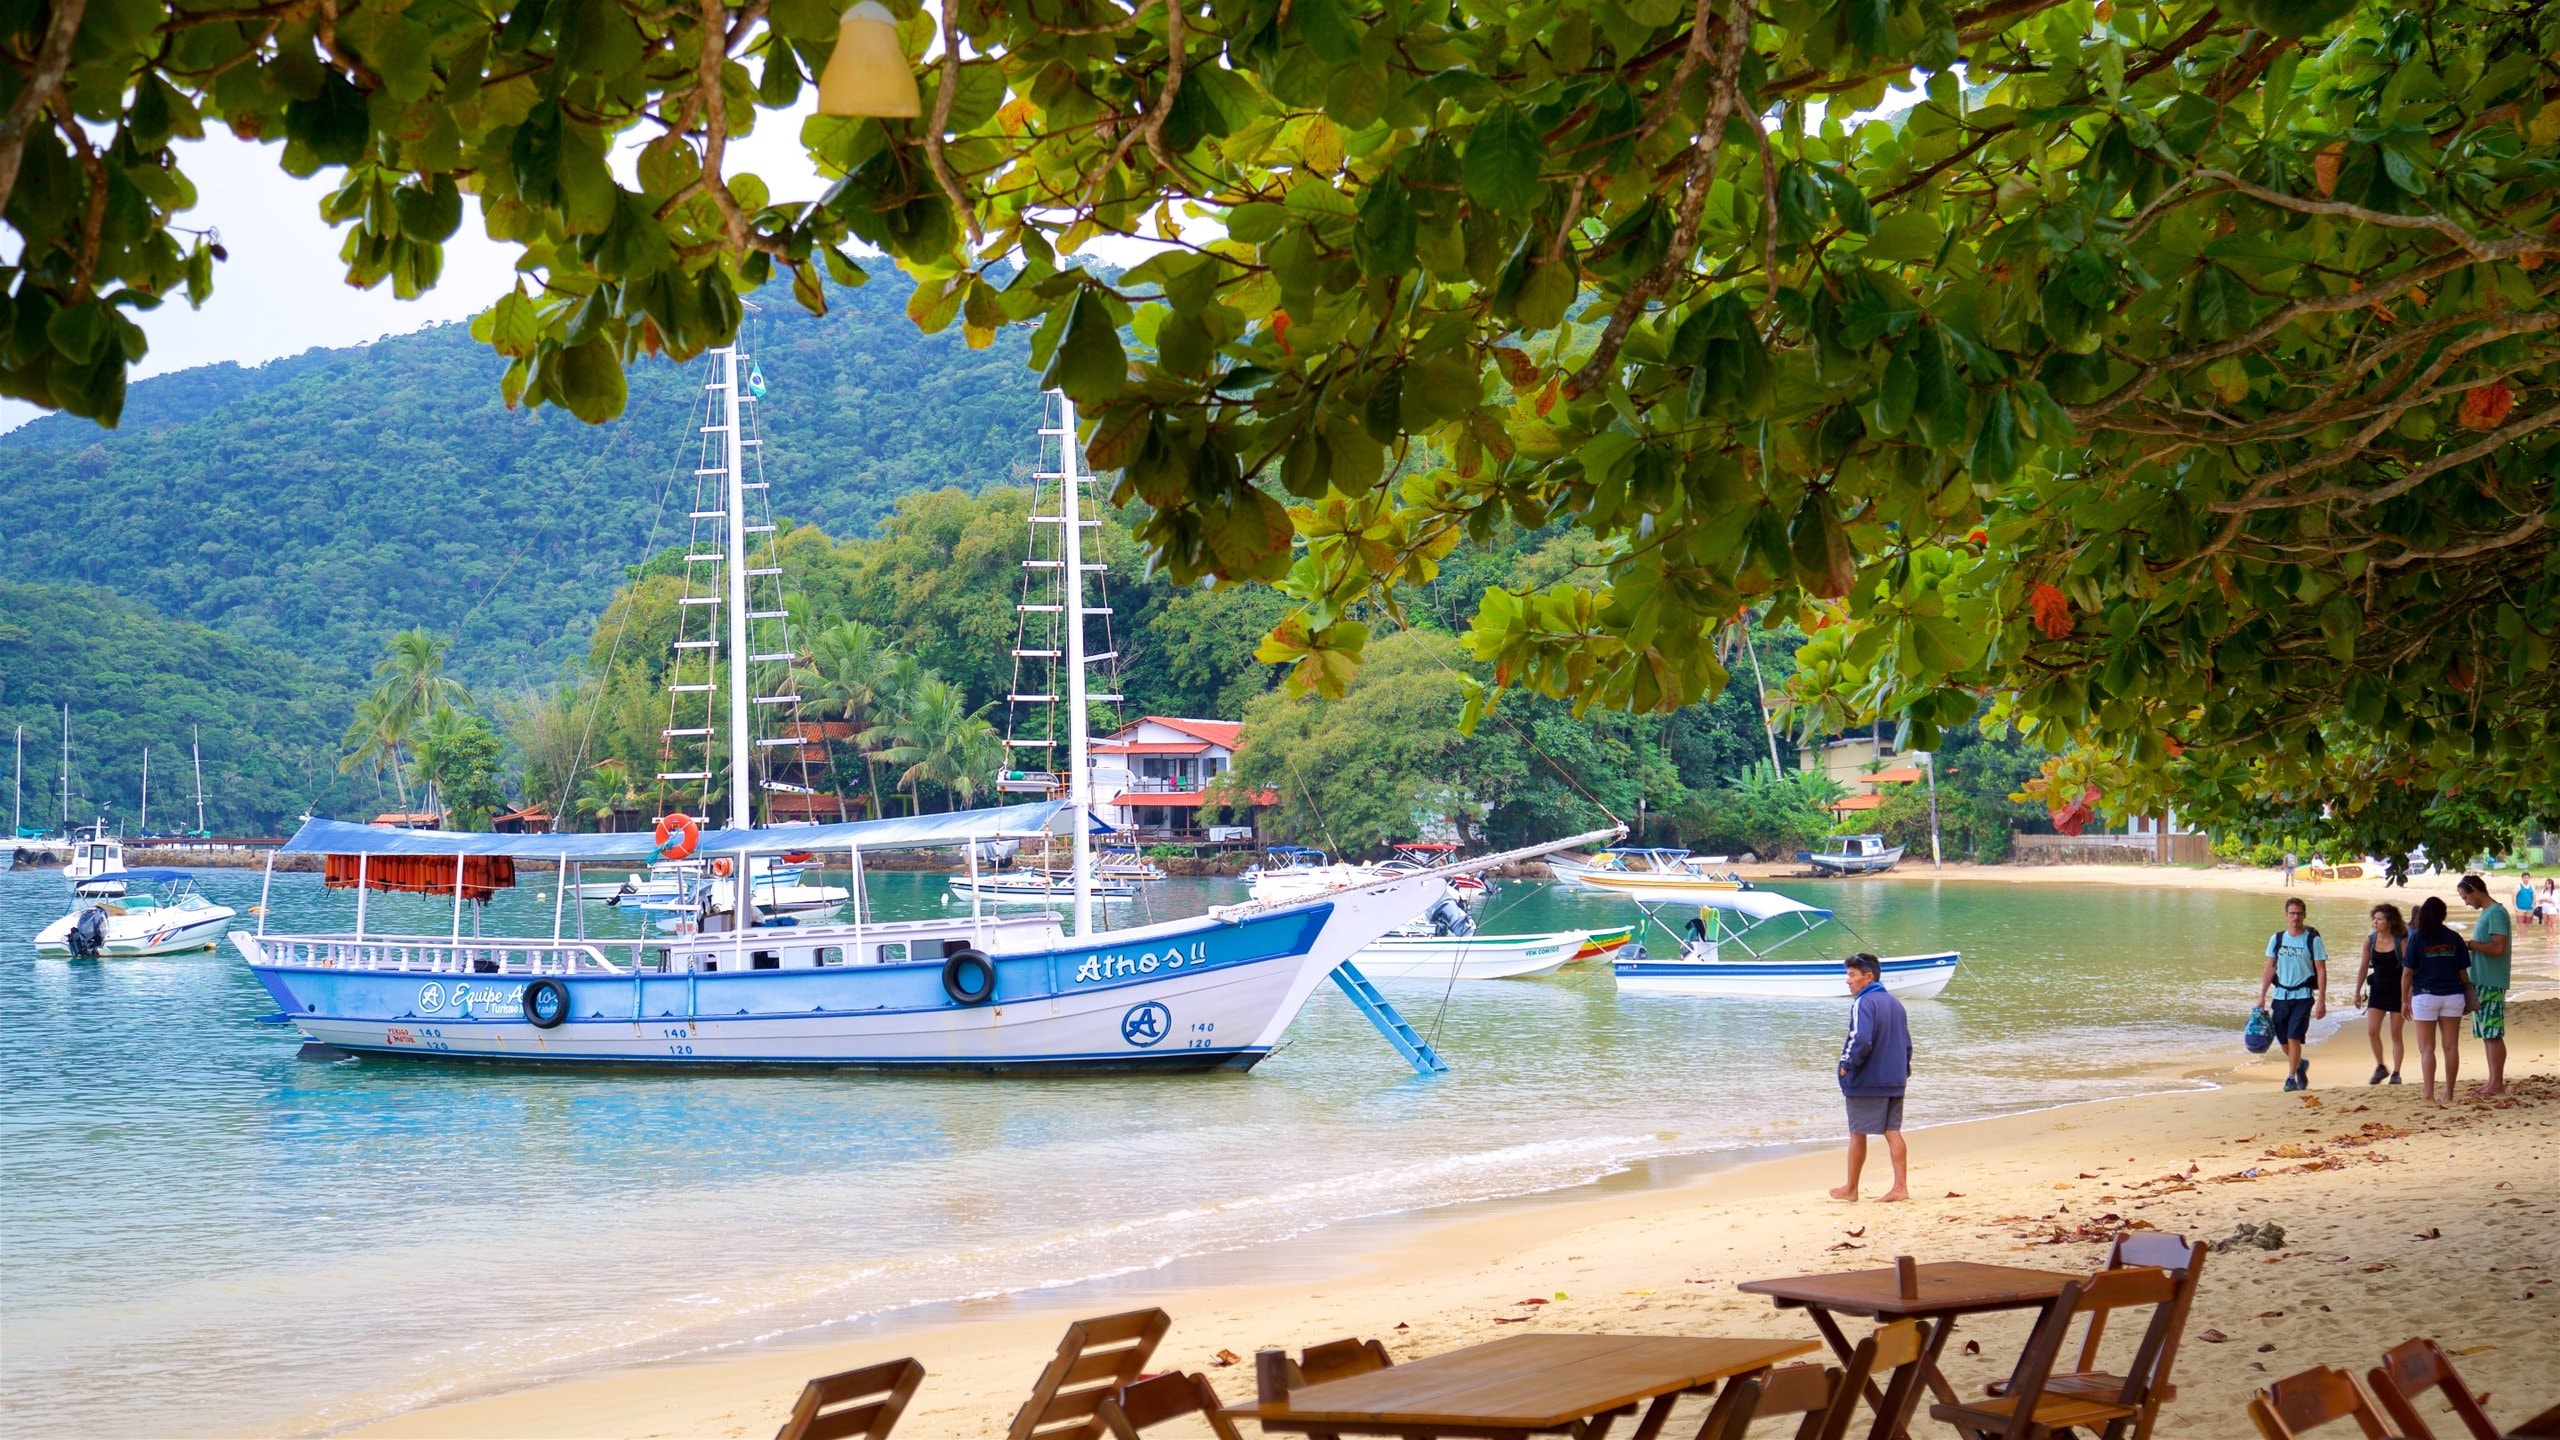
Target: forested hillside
134, 678
319, 503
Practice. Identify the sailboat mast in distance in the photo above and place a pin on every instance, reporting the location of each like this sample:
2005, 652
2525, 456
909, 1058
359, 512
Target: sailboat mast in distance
66, 767
18, 788
146, 790
195, 743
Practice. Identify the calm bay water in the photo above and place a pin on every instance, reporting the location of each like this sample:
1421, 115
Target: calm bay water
201, 1230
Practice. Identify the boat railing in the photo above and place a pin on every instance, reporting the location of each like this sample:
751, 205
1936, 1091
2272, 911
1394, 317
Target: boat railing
439, 954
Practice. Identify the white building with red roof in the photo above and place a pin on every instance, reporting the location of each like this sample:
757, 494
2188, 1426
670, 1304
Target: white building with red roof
1153, 777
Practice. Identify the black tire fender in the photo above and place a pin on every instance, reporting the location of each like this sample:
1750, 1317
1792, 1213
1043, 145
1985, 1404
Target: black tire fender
969, 977
537, 1006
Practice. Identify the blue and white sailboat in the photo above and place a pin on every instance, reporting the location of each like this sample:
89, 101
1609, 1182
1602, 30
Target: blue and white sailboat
978, 992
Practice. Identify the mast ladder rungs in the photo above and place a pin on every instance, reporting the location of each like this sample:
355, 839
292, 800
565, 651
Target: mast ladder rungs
710, 514
699, 600
714, 558
699, 730
1035, 654
1400, 1033
771, 655
764, 570
754, 484
1032, 699
777, 699
1061, 520
693, 689
1032, 744
1105, 655
1094, 567
770, 744
1040, 609
714, 470
759, 530
697, 644
1104, 699
1040, 564
768, 614
684, 774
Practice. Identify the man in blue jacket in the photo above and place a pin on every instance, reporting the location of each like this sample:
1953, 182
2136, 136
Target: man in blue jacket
1875, 1066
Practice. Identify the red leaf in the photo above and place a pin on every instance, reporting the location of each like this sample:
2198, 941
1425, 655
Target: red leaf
2213, 1337
2485, 407
2052, 609
1280, 331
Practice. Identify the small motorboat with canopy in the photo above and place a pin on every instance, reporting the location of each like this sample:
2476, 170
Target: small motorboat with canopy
1756, 923
122, 913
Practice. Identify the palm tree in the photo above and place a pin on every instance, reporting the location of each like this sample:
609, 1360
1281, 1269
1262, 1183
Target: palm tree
603, 793
437, 750
847, 676
411, 680
373, 739
931, 736
980, 752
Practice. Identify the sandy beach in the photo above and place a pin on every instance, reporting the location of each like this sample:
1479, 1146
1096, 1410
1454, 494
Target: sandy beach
2399, 1219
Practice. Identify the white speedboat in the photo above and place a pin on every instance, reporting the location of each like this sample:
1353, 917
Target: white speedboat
1030, 887
1853, 855
1727, 952
1469, 957
168, 918
1655, 875
1294, 872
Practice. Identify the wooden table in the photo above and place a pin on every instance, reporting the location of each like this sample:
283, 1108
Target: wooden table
1523, 1385
1944, 1290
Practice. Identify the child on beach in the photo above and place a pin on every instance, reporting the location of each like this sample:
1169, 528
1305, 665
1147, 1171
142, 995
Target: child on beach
1875, 1067
2525, 899
2378, 988
2439, 967
2493, 942
2298, 974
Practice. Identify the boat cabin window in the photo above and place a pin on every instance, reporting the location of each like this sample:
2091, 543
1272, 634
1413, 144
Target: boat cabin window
893, 952
764, 959
830, 955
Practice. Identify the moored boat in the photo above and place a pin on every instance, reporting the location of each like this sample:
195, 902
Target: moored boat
1853, 855
1757, 923
1652, 875
1469, 957
168, 918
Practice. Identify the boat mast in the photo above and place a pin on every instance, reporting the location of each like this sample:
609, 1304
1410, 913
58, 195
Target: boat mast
66, 767
195, 744
146, 789
18, 789
1079, 768
733, 459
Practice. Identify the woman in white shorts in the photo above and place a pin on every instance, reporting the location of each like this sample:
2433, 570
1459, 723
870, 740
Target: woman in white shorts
2439, 968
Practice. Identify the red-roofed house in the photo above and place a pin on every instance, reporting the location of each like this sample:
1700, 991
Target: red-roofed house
1151, 777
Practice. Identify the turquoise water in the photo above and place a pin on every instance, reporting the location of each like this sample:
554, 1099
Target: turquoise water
207, 1231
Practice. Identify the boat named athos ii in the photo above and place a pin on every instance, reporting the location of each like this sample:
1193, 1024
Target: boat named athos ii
983, 992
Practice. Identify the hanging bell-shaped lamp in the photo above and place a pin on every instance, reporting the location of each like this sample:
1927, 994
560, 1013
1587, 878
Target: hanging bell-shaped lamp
868, 74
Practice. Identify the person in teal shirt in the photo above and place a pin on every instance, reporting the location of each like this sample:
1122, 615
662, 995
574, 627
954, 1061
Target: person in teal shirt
2493, 943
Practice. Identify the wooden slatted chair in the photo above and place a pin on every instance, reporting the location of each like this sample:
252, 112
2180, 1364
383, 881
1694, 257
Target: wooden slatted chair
2085, 1380
2298, 1404
1158, 1398
859, 1404
2414, 1367
1811, 1391
2031, 1409
1095, 1359
1828, 1399
1335, 1360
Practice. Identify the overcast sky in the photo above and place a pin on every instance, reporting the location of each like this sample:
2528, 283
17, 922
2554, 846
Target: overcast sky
283, 291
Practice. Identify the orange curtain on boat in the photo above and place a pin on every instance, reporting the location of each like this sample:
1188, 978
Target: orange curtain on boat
482, 875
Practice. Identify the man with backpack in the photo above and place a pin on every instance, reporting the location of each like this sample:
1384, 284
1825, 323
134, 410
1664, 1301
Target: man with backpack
2297, 975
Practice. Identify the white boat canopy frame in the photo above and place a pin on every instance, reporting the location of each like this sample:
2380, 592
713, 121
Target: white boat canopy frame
1765, 914
904, 832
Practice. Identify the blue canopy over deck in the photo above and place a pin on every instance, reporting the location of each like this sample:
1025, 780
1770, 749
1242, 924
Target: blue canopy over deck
958, 827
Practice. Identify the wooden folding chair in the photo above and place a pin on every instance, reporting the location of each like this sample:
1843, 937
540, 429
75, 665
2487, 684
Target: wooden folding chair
2301, 1403
859, 1404
1828, 1399
2030, 1409
1334, 1360
1095, 1359
1158, 1398
2085, 1380
1812, 1391
2412, 1367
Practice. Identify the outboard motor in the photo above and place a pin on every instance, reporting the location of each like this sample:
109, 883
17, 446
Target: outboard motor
88, 933
1448, 917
